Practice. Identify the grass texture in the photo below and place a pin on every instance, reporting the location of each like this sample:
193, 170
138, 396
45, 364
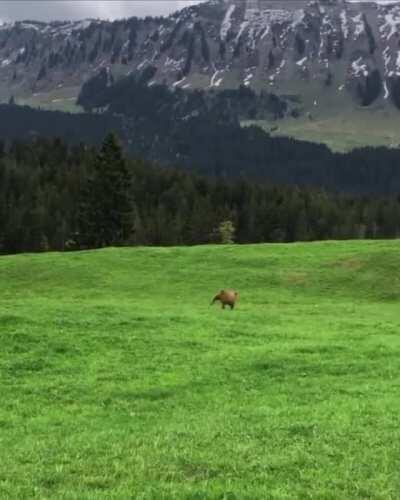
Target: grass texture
118, 380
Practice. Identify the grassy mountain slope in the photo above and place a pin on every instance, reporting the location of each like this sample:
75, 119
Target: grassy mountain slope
119, 381
341, 131
338, 122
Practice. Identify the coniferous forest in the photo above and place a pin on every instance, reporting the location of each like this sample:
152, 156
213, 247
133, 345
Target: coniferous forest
59, 197
201, 131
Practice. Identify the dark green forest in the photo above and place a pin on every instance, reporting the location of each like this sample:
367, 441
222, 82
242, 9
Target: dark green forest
200, 129
55, 196
200, 132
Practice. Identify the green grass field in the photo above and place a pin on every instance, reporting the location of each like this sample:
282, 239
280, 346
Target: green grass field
58, 99
119, 381
341, 130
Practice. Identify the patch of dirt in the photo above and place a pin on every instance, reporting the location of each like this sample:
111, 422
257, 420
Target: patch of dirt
352, 263
296, 278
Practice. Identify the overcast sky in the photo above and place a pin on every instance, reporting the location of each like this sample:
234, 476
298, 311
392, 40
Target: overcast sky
47, 10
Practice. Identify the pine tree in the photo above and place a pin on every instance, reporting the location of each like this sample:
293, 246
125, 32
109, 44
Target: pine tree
225, 232
105, 213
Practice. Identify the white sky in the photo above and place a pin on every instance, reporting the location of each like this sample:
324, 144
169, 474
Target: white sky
48, 10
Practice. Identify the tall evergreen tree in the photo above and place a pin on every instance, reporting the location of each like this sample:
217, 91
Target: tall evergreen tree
105, 213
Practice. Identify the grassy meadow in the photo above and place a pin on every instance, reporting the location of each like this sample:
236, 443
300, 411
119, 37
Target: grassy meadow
118, 380
347, 131
342, 126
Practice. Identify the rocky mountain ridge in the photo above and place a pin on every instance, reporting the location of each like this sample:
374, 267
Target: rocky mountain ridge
309, 50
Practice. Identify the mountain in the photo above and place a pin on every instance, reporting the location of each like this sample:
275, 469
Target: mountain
312, 51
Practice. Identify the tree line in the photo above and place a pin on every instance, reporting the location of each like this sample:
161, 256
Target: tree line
200, 131
54, 196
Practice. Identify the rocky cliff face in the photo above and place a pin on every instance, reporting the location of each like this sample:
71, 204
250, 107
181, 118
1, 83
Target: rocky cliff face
311, 50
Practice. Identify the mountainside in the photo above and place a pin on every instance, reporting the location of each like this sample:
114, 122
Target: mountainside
311, 50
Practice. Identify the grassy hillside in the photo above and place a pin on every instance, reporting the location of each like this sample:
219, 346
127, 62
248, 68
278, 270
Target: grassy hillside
118, 380
342, 130
59, 99
331, 116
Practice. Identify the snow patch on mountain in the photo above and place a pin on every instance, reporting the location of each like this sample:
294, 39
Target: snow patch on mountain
243, 26
179, 82
386, 57
391, 22
215, 81
258, 22
227, 22
345, 24
248, 79
301, 61
176, 65
385, 88
359, 23
142, 64
359, 69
